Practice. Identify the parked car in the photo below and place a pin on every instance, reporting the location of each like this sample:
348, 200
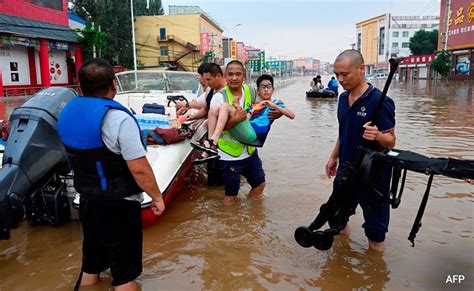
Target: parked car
376, 76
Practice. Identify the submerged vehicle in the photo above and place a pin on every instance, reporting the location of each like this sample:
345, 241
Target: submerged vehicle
321, 93
35, 178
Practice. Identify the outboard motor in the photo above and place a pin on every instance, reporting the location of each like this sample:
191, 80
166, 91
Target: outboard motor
32, 160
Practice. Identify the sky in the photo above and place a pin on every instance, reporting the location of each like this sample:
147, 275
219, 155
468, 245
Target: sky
302, 28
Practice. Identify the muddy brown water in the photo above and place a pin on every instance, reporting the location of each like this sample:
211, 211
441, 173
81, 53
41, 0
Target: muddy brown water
200, 244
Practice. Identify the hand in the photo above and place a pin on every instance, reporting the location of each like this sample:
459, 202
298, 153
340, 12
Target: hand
182, 110
274, 114
180, 104
240, 113
269, 103
157, 206
370, 132
331, 167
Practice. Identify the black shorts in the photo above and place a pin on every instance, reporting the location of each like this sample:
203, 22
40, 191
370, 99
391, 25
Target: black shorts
113, 238
251, 168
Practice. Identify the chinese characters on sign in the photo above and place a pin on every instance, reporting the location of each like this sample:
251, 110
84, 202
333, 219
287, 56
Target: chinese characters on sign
460, 23
204, 43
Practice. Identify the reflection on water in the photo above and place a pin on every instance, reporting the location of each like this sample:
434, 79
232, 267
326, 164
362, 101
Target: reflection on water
200, 244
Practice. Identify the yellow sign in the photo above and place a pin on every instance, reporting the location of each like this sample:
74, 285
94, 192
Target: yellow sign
233, 49
470, 12
459, 16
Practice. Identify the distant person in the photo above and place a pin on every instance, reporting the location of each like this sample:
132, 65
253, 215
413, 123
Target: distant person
102, 139
316, 84
333, 85
356, 107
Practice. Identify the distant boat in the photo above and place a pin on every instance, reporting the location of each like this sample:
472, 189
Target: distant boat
321, 93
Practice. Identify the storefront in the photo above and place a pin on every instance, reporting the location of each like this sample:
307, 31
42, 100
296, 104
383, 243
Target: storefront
416, 67
35, 55
460, 37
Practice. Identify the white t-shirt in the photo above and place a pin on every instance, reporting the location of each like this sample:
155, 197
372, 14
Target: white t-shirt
218, 100
202, 98
121, 136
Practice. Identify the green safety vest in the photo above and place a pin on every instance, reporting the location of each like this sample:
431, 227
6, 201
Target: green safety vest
227, 143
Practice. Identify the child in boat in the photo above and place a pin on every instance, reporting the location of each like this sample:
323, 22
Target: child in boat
252, 131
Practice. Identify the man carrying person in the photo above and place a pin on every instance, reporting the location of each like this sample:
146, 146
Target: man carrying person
356, 108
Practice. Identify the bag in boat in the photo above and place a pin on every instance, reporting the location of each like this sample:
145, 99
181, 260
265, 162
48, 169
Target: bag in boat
5, 129
151, 138
153, 108
172, 135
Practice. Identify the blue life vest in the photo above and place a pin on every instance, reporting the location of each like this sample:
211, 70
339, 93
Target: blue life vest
98, 172
260, 121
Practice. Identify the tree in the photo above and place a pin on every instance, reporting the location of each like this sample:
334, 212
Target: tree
154, 8
423, 42
90, 37
442, 63
114, 19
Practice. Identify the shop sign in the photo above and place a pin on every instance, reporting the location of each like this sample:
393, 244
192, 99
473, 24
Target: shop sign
22, 41
460, 23
253, 54
204, 43
59, 45
233, 49
255, 65
421, 59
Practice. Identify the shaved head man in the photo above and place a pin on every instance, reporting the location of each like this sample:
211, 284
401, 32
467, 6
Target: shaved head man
356, 107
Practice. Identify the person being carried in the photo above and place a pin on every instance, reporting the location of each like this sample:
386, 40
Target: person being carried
255, 128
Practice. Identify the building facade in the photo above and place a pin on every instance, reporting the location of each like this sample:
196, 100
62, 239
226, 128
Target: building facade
402, 28
416, 67
178, 41
37, 48
458, 37
381, 37
305, 66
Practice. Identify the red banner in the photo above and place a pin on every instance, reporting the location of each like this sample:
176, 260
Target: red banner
421, 59
204, 42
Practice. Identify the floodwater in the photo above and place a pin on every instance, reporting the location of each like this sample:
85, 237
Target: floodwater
200, 244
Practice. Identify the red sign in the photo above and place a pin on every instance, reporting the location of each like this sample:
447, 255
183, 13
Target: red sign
244, 54
204, 42
460, 24
421, 59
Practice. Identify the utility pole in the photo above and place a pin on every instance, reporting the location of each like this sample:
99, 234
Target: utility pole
444, 41
133, 38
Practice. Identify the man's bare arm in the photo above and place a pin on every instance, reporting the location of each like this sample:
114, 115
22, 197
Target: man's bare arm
239, 116
143, 175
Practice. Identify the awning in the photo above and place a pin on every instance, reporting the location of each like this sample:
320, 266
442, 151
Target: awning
37, 29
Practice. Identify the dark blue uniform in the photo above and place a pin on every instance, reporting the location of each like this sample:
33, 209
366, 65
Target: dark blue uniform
351, 121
